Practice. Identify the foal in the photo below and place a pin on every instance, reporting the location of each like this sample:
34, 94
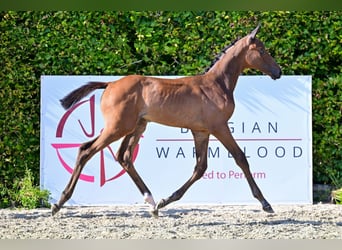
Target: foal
202, 103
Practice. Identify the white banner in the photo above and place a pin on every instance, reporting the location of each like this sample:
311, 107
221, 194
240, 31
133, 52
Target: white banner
271, 123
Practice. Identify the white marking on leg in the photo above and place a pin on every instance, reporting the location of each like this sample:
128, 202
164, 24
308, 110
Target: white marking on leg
149, 199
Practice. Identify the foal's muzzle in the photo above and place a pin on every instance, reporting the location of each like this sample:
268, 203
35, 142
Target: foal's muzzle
276, 74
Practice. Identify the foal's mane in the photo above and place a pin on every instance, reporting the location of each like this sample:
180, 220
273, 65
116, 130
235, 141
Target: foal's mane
219, 56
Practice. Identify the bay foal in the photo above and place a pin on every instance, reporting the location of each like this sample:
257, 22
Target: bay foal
202, 103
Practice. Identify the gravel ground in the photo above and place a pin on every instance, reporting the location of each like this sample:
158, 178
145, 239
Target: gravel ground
321, 221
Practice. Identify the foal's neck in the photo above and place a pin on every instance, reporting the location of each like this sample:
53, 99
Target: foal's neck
228, 69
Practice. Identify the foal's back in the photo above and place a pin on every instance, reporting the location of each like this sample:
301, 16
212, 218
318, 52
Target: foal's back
188, 102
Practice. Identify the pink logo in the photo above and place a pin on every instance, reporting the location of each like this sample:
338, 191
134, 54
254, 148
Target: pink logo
88, 134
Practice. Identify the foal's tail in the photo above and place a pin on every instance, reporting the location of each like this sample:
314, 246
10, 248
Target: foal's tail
77, 94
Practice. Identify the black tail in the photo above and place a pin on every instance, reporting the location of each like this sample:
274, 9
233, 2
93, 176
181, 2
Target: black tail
77, 94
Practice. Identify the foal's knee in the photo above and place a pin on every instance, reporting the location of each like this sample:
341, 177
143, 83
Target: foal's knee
199, 171
241, 160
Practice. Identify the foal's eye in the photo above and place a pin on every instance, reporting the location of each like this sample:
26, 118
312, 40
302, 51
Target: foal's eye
261, 51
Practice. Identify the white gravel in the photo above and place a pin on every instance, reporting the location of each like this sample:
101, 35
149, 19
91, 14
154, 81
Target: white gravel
321, 221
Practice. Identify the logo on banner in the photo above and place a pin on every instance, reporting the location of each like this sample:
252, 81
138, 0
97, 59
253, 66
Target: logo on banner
89, 134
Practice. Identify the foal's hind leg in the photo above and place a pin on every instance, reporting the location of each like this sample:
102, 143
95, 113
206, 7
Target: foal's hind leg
86, 151
125, 155
201, 146
226, 138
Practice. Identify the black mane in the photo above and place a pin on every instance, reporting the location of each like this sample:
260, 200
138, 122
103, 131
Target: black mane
218, 56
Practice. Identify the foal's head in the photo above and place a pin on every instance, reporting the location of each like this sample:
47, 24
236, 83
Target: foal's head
258, 58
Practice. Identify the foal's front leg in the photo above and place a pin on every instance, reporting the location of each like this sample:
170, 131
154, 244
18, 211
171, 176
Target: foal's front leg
226, 138
201, 146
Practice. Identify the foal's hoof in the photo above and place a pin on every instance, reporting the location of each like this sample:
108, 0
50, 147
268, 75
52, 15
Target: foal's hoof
267, 208
54, 209
160, 204
154, 213
155, 210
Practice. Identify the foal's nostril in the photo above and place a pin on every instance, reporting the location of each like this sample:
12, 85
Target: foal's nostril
277, 74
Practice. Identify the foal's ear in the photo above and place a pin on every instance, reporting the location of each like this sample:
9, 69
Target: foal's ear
252, 35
